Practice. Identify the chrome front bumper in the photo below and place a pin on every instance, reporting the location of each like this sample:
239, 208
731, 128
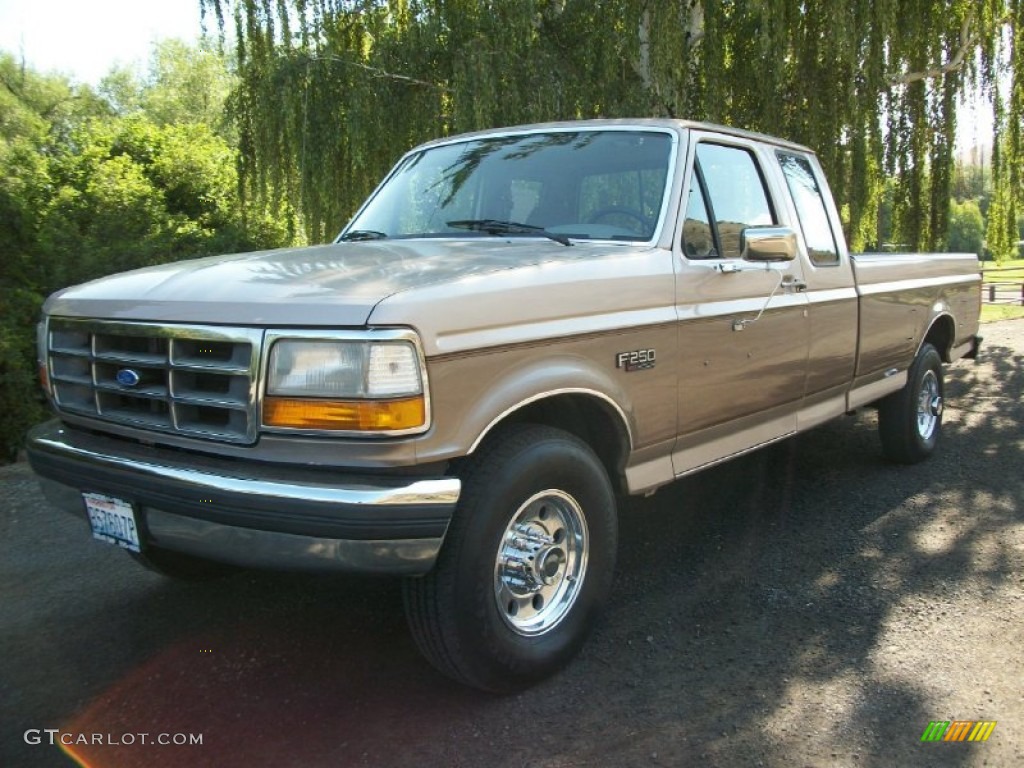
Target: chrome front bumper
251, 514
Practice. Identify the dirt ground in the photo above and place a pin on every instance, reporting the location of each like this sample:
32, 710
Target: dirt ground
809, 605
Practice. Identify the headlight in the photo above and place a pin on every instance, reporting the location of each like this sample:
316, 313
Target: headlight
360, 386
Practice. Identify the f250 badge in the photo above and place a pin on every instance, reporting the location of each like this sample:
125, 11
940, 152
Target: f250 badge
637, 360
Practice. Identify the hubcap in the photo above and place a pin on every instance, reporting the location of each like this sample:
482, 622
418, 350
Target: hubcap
541, 562
929, 406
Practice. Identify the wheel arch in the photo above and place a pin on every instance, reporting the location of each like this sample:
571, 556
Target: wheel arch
941, 335
591, 416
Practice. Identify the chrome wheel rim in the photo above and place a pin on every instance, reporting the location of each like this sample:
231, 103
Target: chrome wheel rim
929, 406
541, 562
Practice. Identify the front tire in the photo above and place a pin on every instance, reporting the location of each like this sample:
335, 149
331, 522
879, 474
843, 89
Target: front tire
910, 421
527, 562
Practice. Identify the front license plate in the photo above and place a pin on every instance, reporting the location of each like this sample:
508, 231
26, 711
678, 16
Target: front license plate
112, 520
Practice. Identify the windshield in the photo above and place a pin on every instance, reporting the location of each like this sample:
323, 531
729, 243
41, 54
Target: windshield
595, 184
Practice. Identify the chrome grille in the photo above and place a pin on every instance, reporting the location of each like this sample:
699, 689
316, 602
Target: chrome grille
191, 380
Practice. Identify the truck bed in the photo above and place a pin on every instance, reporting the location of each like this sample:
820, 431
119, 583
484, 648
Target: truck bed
900, 292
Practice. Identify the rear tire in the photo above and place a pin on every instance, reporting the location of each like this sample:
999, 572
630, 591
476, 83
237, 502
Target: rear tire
527, 562
910, 421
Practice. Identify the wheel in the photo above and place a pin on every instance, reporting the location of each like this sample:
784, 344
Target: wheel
526, 565
910, 421
181, 567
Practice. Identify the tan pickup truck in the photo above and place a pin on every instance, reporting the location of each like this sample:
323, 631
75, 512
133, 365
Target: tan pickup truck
517, 328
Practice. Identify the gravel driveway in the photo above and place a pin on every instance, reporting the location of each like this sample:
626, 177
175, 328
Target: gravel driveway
809, 605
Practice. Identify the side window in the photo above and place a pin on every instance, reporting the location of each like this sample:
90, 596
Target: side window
736, 194
810, 208
698, 239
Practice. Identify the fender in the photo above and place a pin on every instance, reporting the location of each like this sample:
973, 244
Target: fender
544, 378
942, 314
554, 393
474, 394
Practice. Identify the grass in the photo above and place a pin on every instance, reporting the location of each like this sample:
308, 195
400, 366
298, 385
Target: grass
1007, 272
991, 313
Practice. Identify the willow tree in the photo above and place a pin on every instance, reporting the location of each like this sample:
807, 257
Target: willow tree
333, 91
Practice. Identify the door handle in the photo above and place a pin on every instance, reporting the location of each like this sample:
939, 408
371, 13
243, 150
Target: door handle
794, 284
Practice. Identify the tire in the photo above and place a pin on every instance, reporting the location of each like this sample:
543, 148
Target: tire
910, 421
181, 567
526, 566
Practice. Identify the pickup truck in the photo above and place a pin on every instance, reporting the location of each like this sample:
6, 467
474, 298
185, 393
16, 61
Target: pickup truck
518, 328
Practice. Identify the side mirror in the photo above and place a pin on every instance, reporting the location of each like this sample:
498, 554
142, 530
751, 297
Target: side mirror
768, 244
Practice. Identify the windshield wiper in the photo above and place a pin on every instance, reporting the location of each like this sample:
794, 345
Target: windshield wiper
498, 227
362, 234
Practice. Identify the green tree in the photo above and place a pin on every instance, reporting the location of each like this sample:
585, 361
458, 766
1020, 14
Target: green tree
973, 181
35, 111
966, 228
130, 193
36, 106
184, 84
86, 191
354, 84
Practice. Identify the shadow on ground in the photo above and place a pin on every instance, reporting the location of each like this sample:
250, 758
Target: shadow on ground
738, 591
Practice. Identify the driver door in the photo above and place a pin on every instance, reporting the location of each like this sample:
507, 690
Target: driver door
743, 326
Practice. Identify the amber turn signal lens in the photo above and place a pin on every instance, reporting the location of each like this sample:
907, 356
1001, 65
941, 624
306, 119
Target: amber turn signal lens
44, 378
349, 415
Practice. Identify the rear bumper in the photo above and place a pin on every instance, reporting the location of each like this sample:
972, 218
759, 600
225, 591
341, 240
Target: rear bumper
252, 514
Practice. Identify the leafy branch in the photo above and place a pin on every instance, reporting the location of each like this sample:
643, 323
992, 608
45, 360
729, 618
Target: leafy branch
968, 40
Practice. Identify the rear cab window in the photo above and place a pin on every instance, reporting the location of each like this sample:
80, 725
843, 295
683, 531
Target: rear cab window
810, 209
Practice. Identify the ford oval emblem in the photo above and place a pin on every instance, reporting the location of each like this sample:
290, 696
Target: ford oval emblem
126, 377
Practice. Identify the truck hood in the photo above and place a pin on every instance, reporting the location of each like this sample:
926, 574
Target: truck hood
334, 285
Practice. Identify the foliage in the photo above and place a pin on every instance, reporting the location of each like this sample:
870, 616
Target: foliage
966, 228
184, 84
129, 193
33, 108
870, 84
972, 181
85, 192
1005, 209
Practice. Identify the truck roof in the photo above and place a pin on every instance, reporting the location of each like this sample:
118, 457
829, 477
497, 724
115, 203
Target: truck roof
641, 122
